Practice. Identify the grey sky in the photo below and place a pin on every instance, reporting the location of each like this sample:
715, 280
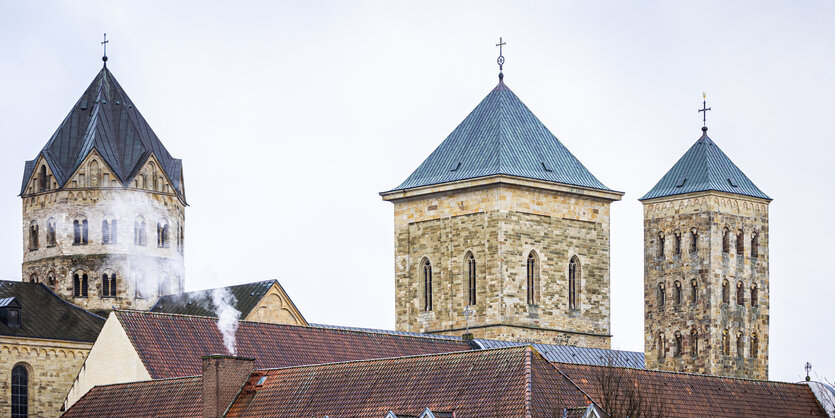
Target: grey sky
290, 117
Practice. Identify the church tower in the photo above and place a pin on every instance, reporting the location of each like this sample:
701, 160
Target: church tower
706, 268
502, 219
103, 206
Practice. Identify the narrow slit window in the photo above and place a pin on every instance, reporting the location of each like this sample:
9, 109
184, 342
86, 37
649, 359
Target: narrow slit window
427, 285
471, 283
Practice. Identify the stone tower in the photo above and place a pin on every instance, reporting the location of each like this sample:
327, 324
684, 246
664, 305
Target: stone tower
103, 206
502, 218
706, 268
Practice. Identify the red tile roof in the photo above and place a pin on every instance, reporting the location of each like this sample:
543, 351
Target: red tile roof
180, 397
172, 345
502, 382
684, 394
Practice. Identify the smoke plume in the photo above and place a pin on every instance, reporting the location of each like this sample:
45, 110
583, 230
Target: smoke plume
227, 317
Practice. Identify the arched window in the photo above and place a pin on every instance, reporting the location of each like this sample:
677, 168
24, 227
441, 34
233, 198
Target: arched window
677, 292
50, 232
754, 295
532, 282
694, 291
108, 285
662, 346
427, 285
726, 343
105, 232
139, 231
740, 344
33, 278
471, 284
661, 245
694, 342
50, 280
79, 284
678, 344
726, 241
84, 234
677, 242
43, 184
740, 294
755, 245
95, 175
162, 233
573, 273
755, 349
662, 295
114, 232
740, 242
726, 292
20, 392
33, 235
76, 232
694, 241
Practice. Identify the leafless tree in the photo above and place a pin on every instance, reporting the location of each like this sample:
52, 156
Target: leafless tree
621, 395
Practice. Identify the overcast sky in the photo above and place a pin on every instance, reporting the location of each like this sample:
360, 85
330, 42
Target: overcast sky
290, 117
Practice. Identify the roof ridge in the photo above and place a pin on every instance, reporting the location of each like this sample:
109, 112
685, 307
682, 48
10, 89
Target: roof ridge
556, 363
447, 353
141, 382
528, 381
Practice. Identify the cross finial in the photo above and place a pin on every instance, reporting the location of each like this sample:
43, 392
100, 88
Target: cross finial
467, 312
104, 57
703, 111
500, 61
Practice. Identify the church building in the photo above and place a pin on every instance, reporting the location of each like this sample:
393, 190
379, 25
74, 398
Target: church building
104, 206
503, 221
706, 278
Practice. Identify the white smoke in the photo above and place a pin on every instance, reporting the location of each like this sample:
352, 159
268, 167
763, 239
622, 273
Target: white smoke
227, 317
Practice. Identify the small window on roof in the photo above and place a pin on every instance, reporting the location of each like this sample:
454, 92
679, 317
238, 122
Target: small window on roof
545, 167
456, 166
731, 182
681, 182
262, 380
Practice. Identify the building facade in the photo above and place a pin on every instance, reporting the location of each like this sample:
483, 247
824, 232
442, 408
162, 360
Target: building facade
706, 282
104, 206
502, 219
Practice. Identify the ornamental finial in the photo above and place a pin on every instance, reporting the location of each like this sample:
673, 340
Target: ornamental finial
104, 57
500, 60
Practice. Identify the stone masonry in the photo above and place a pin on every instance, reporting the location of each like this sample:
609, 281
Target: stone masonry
144, 269
691, 323
501, 220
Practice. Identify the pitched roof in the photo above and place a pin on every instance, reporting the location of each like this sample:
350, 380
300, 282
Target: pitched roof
577, 355
105, 119
683, 394
199, 302
181, 397
501, 136
43, 314
704, 167
503, 382
172, 345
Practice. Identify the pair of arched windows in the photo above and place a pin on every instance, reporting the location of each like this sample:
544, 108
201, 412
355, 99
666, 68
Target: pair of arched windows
108, 285
79, 284
33, 235
50, 232
532, 280
139, 231
43, 180
80, 232
20, 391
109, 231
162, 233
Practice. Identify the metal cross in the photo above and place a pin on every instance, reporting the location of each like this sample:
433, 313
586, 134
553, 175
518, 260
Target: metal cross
704, 109
105, 42
500, 61
467, 312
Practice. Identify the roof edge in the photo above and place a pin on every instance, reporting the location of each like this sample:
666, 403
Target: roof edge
699, 193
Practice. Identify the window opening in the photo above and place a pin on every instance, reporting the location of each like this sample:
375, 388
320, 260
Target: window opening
694, 342
572, 283
726, 344
754, 295
726, 292
694, 241
678, 344
20, 392
677, 243
755, 245
740, 242
662, 295
726, 245
740, 294
677, 292
694, 291
754, 346
471, 284
740, 351
661, 245
532, 282
427, 285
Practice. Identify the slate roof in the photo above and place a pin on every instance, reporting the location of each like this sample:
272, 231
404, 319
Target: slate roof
683, 394
576, 355
501, 136
510, 382
180, 397
704, 167
105, 119
172, 345
43, 314
199, 302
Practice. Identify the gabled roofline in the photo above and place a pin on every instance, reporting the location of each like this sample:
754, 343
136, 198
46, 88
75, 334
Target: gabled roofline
499, 179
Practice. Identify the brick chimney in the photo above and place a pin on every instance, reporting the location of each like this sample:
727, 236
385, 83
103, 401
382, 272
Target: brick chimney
223, 378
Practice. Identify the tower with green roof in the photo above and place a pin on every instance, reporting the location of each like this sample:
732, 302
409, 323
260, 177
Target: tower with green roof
706, 284
503, 221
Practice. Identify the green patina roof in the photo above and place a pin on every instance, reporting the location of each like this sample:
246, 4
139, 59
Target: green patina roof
501, 136
704, 167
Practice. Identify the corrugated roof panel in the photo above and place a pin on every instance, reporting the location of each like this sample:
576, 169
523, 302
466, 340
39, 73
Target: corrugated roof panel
704, 167
501, 136
575, 355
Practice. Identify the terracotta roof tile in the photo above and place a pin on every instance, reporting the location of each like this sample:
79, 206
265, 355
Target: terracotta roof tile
172, 345
155, 398
683, 394
502, 382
